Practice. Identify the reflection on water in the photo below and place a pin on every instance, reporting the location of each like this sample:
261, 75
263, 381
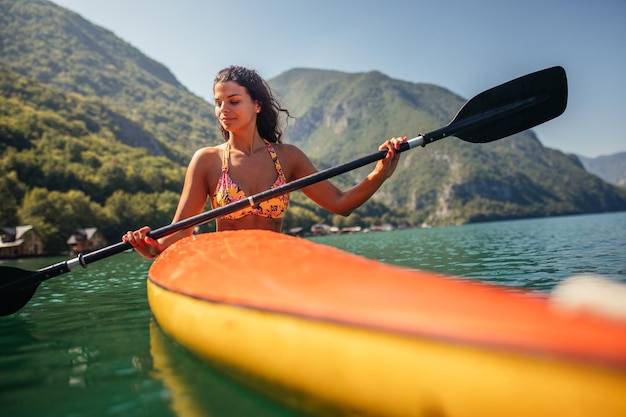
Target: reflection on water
85, 346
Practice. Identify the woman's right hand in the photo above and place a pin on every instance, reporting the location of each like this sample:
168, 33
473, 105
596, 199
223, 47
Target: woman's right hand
142, 243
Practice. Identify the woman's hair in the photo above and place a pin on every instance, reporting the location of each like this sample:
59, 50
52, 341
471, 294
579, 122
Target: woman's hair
259, 90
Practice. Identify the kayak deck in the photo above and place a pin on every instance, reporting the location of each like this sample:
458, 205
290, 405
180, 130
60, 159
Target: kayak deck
325, 324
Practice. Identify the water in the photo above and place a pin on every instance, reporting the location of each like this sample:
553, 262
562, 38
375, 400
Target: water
86, 345
533, 254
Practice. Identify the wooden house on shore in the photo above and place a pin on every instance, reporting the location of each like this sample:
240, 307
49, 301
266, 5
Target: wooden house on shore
86, 240
20, 241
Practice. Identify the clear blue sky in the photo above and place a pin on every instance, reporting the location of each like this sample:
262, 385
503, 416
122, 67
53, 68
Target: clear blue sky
465, 46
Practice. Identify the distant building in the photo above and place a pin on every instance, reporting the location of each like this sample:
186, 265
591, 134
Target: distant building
320, 229
20, 241
86, 240
296, 231
382, 228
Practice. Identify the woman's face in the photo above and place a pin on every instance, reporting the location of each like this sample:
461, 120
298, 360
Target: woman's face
234, 108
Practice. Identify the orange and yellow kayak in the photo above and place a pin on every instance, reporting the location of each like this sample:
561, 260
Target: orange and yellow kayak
335, 333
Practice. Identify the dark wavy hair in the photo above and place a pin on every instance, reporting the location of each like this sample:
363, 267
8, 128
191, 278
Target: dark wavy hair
267, 119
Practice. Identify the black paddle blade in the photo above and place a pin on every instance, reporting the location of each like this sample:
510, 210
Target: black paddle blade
512, 107
18, 297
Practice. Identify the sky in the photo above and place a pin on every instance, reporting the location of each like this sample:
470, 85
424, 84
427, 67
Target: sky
464, 46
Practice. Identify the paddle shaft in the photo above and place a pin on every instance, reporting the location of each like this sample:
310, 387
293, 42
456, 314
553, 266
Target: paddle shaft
499, 112
450, 130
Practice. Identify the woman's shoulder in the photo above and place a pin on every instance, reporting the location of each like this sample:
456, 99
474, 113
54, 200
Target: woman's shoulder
207, 157
289, 150
209, 151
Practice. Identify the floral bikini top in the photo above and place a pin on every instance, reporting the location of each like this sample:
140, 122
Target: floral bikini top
228, 192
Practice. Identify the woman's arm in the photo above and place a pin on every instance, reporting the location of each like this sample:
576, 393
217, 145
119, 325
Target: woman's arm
192, 201
333, 199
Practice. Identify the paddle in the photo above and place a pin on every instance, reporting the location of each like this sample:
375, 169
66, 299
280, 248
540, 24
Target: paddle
493, 114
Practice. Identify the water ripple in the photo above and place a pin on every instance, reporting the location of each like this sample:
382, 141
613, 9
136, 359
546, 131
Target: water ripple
534, 254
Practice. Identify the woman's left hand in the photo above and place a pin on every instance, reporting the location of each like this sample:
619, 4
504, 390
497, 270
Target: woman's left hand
386, 166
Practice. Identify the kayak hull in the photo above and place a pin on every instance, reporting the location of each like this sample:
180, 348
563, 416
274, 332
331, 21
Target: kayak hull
330, 333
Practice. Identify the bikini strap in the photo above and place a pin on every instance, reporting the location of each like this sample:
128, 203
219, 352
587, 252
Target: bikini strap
225, 158
274, 157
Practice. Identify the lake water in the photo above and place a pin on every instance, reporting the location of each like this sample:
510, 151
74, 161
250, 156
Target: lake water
86, 344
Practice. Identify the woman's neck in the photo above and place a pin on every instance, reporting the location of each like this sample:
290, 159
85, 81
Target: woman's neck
248, 144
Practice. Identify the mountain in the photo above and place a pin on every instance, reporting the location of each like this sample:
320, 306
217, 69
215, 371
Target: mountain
67, 162
611, 168
55, 46
63, 141
85, 112
449, 181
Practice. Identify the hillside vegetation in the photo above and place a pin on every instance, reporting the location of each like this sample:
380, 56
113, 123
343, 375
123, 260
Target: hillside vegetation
94, 133
64, 165
55, 46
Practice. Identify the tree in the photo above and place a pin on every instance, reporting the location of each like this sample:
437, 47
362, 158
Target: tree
57, 215
10, 187
127, 211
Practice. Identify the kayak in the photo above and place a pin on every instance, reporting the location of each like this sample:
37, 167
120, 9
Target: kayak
334, 333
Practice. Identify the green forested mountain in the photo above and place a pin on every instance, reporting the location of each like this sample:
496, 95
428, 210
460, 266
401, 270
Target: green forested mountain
55, 46
94, 133
65, 164
450, 181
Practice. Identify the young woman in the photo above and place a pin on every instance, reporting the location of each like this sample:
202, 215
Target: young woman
251, 160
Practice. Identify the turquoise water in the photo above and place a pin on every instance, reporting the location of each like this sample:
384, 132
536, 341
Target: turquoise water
534, 254
86, 345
